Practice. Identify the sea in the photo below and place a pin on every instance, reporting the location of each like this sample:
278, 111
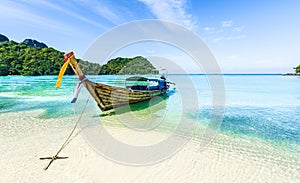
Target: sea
260, 109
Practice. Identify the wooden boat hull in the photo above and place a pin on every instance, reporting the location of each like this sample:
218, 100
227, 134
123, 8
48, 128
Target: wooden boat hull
109, 97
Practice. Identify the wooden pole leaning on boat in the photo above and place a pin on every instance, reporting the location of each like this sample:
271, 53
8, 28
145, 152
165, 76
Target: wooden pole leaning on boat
73, 63
70, 59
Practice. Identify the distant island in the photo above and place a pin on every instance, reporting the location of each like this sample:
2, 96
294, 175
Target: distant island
34, 58
136, 65
296, 73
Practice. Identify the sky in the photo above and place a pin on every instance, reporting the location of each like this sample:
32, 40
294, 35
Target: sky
246, 36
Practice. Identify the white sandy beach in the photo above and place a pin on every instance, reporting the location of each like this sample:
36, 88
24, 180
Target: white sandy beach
25, 138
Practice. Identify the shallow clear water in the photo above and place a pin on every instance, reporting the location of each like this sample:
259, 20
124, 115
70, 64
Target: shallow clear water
266, 107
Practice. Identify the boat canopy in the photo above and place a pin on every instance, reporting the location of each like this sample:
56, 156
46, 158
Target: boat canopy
142, 83
137, 78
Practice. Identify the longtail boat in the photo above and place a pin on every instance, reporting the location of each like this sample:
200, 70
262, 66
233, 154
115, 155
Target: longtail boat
137, 89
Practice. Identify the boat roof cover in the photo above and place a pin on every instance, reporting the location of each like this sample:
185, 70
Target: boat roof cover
137, 78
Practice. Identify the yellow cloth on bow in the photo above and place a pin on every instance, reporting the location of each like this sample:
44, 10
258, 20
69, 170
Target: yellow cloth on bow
61, 73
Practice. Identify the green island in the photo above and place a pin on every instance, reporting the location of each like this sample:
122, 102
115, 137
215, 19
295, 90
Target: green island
297, 69
296, 73
136, 65
34, 58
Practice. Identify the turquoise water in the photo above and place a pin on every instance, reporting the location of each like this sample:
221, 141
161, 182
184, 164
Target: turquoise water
260, 106
19, 93
266, 106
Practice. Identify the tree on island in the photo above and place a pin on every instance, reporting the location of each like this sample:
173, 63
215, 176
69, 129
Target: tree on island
21, 59
119, 65
297, 69
35, 58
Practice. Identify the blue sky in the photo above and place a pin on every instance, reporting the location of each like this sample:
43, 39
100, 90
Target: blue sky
246, 36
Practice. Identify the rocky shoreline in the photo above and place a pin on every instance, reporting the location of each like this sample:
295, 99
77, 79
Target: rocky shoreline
291, 74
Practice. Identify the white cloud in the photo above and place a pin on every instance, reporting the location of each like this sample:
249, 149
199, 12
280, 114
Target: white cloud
227, 23
102, 10
232, 58
238, 29
18, 12
228, 38
68, 12
213, 30
209, 29
172, 10
65, 11
225, 31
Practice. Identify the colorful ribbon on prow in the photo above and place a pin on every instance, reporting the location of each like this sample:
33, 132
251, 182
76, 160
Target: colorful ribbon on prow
63, 69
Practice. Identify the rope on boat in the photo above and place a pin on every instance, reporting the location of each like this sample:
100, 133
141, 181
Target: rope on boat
77, 89
67, 141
